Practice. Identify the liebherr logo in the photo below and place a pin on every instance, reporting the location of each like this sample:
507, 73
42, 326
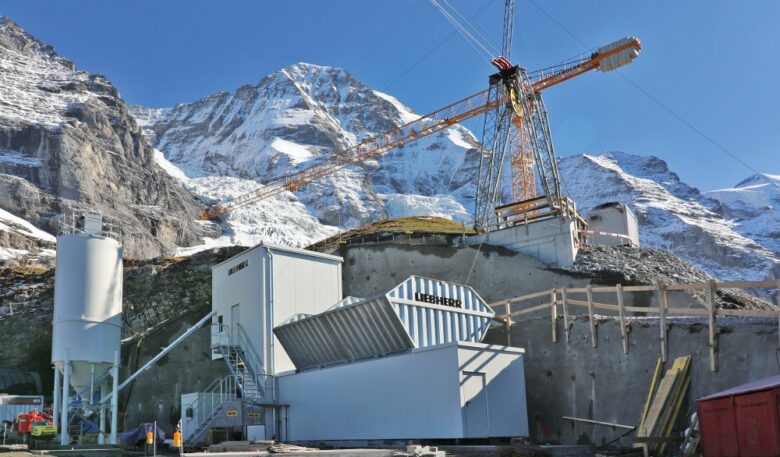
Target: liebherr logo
436, 300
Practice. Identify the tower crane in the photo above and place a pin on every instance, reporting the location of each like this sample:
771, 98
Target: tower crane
512, 103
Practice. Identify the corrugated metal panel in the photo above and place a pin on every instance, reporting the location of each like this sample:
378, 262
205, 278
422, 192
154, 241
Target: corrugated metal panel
437, 312
12, 405
359, 330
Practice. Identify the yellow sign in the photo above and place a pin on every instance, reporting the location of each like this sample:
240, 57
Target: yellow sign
232, 413
253, 414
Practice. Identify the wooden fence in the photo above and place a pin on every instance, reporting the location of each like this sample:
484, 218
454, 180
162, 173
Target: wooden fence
562, 298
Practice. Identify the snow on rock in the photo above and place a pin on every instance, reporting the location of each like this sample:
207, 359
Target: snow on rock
402, 205
293, 118
754, 205
672, 215
9, 222
280, 219
68, 144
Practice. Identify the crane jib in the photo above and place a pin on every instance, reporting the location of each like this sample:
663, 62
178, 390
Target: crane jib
606, 58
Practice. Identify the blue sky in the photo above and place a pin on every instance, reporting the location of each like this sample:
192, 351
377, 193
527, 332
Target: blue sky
715, 64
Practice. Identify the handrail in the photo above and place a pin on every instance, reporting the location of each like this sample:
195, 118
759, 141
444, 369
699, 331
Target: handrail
245, 343
708, 308
219, 391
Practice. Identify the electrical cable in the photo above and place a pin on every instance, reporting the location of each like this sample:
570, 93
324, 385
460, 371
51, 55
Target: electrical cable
470, 38
432, 50
649, 95
493, 50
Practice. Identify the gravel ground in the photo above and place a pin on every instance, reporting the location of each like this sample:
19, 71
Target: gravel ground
637, 266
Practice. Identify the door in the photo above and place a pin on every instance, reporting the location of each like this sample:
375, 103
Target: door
475, 405
235, 319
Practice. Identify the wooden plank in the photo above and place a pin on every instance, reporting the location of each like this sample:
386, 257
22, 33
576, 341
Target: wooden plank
650, 394
622, 315
663, 305
604, 290
554, 316
711, 323
529, 310
521, 298
660, 399
687, 311
593, 340
690, 286
640, 288
566, 330
745, 284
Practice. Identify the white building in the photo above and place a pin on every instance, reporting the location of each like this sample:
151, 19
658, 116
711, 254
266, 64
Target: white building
613, 224
263, 287
307, 365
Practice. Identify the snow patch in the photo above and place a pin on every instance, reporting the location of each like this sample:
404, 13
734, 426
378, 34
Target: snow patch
11, 223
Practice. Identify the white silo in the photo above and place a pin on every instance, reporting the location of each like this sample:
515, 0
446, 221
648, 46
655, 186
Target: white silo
87, 321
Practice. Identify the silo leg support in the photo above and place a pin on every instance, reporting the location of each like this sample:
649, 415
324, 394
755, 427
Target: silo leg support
115, 400
64, 438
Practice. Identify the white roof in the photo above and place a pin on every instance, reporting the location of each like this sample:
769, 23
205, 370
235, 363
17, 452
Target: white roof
277, 247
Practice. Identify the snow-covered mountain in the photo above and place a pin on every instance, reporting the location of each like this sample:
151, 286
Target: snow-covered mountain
231, 142
754, 205
67, 143
672, 215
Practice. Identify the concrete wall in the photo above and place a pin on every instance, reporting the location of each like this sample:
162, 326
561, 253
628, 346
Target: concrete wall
552, 241
447, 391
604, 384
498, 273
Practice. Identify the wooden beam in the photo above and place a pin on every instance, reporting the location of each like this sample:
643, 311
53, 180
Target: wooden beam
529, 310
554, 316
745, 284
713, 328
622, 314
566, 329
593, 340
662, 307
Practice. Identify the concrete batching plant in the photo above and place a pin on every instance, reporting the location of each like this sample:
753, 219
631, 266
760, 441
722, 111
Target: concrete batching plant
87, 320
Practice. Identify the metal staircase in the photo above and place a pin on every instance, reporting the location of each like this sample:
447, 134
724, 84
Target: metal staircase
210, 404
247, 381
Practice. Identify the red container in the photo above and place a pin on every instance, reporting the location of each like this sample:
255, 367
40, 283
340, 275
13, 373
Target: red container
743, 421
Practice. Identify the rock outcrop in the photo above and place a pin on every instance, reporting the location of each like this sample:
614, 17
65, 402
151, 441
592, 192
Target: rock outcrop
68, 143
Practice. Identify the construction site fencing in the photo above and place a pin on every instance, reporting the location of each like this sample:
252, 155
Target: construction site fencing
559, 302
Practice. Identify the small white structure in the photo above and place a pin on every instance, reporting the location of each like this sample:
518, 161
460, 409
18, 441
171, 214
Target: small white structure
87, 322
612, 224
264, 286
405, 365
450, 391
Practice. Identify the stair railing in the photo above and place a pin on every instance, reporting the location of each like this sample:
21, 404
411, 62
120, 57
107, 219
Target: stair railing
202, 409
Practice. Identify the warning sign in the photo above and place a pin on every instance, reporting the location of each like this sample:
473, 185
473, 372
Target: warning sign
253, 414
232, 413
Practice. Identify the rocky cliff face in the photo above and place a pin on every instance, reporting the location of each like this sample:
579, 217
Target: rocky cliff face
67, 143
